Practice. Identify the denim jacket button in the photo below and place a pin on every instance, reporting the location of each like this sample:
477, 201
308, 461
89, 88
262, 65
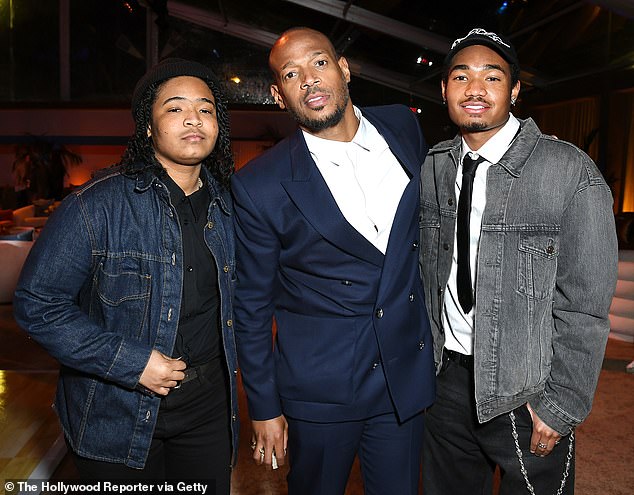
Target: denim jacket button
445, 246
450, 201
225, 269
210, 225
550, 249
229, 323
379, 313
148, 414
411, 297
421, 345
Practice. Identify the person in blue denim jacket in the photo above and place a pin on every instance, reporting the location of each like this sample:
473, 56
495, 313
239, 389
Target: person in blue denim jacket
518, 278
129, 287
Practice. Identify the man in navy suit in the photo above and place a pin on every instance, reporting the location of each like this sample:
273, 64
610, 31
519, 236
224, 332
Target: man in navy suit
327, 244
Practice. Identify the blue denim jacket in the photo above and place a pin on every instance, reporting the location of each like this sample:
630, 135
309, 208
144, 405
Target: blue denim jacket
101, 288
546, 273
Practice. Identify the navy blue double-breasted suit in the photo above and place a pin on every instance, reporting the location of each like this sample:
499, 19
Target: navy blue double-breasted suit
353, 338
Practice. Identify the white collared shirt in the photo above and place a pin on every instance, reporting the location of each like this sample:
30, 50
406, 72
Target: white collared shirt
459, 325
364, 177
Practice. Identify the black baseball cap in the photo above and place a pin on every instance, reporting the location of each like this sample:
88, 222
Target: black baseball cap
479, 36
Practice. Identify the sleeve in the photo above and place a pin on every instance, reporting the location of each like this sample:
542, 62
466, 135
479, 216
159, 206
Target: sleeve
586, 279
257, 259
54, 279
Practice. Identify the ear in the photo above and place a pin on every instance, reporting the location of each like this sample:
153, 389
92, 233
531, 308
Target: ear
149, 131
277, 96
443, 90
343, 65
515, 91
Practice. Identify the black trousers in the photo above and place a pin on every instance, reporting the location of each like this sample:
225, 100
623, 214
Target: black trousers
460, 454
192, 438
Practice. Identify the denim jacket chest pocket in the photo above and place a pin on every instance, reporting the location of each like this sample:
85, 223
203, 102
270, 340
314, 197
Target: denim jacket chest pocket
537, 263
123, 286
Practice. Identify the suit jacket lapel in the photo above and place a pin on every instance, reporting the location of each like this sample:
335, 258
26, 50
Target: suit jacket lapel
409, 200
394, 141
311, 195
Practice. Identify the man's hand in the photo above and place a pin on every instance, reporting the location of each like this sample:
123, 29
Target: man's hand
269, 436
162, 373
544, 438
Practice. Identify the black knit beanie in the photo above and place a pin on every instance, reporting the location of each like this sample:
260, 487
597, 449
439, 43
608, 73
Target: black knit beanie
168, 69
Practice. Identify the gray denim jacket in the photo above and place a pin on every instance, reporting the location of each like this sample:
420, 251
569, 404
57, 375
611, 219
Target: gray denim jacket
546, 273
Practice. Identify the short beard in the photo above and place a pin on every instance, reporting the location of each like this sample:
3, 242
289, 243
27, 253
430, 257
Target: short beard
316, 125
475, 127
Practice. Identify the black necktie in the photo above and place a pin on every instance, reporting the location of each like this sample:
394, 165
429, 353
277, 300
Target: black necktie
463, 236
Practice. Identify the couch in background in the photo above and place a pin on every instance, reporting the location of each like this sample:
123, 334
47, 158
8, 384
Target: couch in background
12, 257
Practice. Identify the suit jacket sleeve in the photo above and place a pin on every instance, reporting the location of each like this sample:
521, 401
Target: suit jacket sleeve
257, 254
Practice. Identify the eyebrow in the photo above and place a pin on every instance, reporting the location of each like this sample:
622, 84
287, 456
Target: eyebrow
173, 98
485, 67
312, 55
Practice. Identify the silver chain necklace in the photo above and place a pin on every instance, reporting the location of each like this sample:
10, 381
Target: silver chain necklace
529, 486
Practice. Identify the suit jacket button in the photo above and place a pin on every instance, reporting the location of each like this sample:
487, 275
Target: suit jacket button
379, 313
411, 297
421, 345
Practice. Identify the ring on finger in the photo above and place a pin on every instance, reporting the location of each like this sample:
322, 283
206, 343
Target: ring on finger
542, 445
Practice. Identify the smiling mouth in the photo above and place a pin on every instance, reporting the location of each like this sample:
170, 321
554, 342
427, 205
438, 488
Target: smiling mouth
475, 107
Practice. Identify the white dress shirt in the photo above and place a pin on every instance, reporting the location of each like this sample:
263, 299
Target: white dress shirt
459, 325
364, 177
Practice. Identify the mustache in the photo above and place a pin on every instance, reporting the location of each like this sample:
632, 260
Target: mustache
476, 99
316, 89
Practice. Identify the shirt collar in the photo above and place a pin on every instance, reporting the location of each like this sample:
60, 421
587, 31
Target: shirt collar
493, 150
366, 137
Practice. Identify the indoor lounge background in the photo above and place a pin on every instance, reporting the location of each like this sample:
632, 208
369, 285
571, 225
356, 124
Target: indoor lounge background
68, 68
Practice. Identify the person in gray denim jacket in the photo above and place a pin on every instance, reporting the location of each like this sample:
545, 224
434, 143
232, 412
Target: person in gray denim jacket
130, 287
519, 347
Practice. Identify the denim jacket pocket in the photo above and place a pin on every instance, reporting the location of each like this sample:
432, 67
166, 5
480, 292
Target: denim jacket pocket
124, 300
537, 263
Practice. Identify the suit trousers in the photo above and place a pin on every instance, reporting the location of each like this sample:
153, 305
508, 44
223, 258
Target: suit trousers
192, 438
321, 455
460, 454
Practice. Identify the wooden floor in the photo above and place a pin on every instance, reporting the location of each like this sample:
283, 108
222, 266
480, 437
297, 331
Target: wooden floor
31, 445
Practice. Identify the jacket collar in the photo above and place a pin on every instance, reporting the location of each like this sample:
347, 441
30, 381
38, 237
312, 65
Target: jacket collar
513, 160
302, 165
146, 178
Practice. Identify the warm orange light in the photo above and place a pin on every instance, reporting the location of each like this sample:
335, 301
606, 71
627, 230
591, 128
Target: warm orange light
236, 79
